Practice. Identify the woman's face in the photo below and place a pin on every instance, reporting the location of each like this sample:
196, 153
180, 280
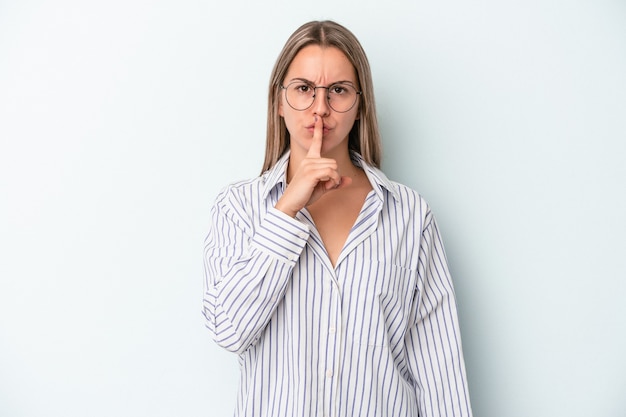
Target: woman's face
319, 67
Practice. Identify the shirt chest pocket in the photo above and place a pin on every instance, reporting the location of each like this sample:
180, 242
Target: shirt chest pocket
376, 304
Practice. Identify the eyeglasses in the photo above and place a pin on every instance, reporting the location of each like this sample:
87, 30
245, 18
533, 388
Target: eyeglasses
341, 97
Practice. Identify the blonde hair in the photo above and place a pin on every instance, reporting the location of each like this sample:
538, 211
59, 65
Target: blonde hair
364, 138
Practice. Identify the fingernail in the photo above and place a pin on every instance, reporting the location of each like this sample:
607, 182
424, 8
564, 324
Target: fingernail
315, 119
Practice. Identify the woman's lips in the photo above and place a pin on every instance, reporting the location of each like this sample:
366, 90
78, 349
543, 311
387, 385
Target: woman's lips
325, 129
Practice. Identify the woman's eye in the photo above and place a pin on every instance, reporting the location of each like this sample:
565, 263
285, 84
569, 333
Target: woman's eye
303, 88
337, 89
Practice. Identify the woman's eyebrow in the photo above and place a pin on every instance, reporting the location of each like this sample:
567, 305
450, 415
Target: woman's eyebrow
301, 79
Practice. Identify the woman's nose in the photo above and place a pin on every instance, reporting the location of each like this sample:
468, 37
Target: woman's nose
320, 102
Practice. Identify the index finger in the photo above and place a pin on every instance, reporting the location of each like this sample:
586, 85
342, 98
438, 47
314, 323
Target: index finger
315, 150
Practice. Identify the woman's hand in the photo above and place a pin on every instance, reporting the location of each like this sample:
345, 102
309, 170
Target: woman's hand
314, 177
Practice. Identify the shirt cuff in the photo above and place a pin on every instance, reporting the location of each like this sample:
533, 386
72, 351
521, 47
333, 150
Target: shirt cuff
281, 235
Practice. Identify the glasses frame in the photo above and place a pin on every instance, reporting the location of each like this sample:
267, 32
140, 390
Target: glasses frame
327, 88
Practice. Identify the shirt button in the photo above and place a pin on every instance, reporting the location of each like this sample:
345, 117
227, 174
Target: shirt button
329, 373
332, 330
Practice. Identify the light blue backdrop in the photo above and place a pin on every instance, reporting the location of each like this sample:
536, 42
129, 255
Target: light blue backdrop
121, 120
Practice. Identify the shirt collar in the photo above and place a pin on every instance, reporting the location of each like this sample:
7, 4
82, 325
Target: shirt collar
377, 178
277, 175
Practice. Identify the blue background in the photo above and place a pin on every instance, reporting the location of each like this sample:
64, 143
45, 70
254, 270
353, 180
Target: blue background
121, 120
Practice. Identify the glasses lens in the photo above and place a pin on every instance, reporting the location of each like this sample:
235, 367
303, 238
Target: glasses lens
300, 96
341, 97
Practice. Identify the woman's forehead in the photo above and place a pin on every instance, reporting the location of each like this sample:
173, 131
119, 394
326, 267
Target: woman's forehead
321, 64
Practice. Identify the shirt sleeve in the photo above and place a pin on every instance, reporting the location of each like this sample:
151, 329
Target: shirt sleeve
247, 268
433, 342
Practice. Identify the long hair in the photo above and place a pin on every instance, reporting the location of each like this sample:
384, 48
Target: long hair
364, 138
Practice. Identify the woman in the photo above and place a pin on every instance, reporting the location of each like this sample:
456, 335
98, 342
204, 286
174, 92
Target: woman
327, 279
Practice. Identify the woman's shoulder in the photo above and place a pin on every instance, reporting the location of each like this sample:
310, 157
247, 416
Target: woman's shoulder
400, 193
240, 191
409, 197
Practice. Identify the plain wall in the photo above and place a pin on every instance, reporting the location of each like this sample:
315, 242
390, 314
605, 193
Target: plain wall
121, 120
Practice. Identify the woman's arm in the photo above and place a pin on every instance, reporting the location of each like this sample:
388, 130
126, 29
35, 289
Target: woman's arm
433, 343
247, 269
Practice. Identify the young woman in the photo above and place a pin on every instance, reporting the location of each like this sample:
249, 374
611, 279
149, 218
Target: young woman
327, 279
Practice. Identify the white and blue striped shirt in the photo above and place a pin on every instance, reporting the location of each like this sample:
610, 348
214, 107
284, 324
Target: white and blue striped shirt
377, 335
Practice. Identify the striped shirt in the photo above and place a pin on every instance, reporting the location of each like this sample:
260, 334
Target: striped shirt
377, 335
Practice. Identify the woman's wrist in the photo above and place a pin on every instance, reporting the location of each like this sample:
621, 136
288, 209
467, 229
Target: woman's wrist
281, 206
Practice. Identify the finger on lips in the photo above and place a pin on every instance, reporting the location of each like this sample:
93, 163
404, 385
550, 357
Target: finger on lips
315, 150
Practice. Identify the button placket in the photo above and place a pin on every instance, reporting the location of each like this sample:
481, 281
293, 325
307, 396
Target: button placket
333, 337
